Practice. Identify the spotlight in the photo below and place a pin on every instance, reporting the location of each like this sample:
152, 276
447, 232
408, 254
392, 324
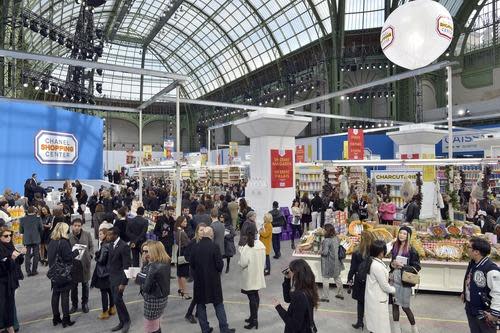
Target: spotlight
61, 91
35, 84
53, 88
60, 39
34, 26
83, 100
99, 71
24, 80
53, 35
45, 85
44, 30
98, 88
69, 43
99, 33
25, 20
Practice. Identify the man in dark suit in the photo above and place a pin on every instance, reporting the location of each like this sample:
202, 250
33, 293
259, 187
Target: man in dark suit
118, 261
136, 232
31, 228
30, 187
206, 262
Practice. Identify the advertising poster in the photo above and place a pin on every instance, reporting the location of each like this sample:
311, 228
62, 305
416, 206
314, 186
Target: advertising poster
130, 158
299, 154
56, 147
168, 148
203, 156
281, 168
233, 151
356, 140
148, 152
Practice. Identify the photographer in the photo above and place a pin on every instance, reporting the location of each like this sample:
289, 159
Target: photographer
481, 293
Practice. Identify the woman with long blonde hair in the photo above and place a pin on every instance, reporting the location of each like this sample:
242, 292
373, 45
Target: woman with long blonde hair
154, 279
59, 253
197, 237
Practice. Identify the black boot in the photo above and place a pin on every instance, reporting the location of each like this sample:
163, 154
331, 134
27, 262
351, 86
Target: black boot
66, 321
73, 309
56, 320
227, 269
358, 325
253, 324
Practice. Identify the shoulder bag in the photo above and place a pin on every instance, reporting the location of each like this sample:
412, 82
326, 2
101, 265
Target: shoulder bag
410, 276
181, 260
60, 272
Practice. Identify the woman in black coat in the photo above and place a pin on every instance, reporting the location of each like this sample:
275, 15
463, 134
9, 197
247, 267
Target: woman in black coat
100, 277
59, 246
10, 274
299, 318
357, 275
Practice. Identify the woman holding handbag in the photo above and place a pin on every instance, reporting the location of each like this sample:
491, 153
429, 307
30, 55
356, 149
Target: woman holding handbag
182, 255
154, 280
60, 259
404, 259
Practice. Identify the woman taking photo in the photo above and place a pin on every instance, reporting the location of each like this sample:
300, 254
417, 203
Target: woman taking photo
377, 291
59, 252
229, 233
360, 263
266, 234
100, 278
403, 255
303, 299
252, 257
331, 266
182, 256
154, 279
47, 219
10, 274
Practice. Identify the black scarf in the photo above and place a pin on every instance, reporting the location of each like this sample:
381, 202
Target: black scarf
6, 249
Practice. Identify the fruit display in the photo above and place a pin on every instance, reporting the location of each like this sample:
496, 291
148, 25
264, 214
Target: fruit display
438, 231
382, 234
446, 251
454, 230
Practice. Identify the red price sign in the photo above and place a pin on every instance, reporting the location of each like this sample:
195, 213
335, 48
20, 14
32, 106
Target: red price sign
356, 140
300, 153
281, 168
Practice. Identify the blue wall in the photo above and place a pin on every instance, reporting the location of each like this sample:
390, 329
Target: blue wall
380, 144
20, 123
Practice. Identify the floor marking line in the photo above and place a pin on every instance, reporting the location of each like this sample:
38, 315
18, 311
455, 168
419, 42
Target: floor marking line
262, 304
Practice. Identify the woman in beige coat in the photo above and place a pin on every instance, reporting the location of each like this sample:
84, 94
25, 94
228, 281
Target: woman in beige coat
252, 258
377, 291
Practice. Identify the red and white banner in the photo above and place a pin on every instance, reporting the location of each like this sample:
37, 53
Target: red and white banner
281, 168
356, 139
300, 154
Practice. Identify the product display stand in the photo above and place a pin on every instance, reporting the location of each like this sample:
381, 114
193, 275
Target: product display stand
435, 275
418, 142
268, 130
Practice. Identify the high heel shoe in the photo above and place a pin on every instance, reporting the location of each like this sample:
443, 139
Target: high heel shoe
183, 295
358, 325
252, 324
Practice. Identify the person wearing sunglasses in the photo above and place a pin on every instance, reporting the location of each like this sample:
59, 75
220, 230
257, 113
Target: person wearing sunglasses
10, 274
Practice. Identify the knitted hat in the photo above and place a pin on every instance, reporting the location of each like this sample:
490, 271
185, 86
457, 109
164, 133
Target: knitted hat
407, 229
105, 225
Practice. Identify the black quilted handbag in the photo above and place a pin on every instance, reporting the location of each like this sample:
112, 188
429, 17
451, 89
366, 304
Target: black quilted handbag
60, 272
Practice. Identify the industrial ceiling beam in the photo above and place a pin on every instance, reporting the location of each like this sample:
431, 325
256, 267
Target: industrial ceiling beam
91, 64
74, 105
161, 23
160, 94
393, 78
126, 4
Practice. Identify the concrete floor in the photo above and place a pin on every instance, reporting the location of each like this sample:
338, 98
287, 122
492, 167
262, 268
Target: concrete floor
434, 313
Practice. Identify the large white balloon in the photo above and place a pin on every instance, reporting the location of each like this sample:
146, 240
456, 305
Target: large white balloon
417, 33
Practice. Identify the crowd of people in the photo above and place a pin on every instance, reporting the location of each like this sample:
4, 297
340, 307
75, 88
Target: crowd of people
200, 242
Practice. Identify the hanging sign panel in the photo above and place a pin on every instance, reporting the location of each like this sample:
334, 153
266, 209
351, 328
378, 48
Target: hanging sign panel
281, 168
356, 140
299, 154
56, 148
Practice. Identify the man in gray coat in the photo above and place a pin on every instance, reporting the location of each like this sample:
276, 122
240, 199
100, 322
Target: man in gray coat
31, 228
81, 268
218, 228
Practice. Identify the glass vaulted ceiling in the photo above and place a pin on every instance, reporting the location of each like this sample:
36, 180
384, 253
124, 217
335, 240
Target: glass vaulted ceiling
214, 42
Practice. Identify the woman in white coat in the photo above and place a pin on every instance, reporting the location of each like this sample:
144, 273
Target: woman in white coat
252, 262
377, 291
